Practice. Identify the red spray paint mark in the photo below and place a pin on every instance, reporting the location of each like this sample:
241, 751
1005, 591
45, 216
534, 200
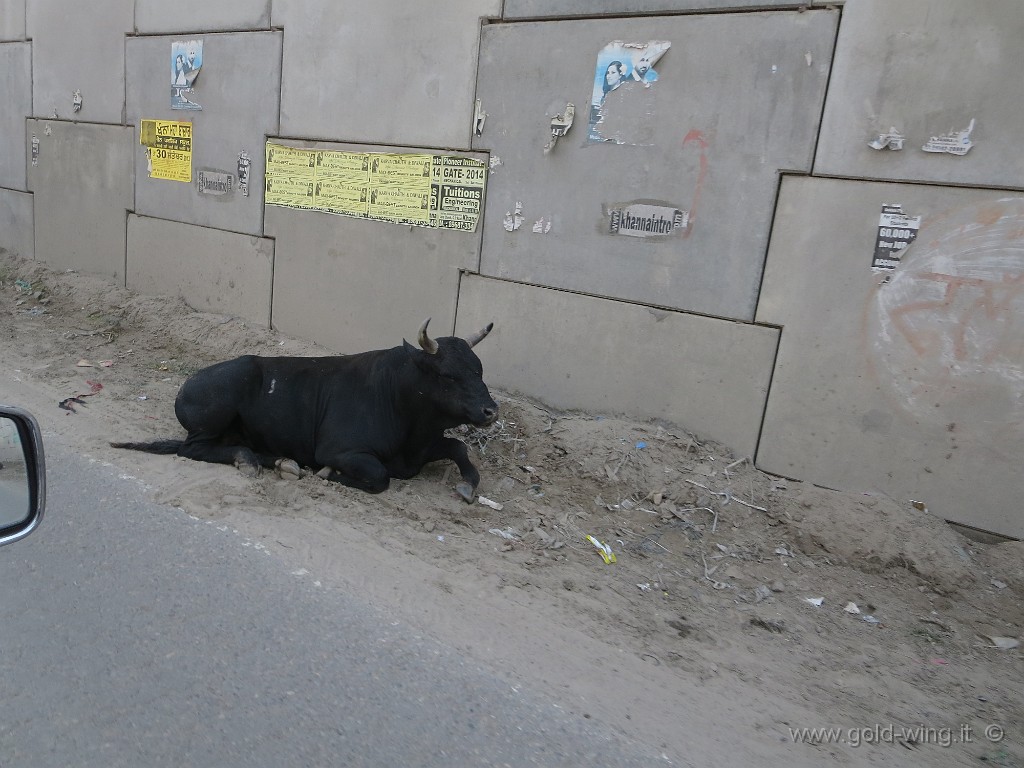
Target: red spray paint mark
697, 137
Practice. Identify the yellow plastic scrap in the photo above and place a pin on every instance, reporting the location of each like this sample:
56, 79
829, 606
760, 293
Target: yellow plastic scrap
606, 551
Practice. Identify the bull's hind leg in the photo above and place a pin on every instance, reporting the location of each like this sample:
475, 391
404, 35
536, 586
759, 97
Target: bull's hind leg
357, 470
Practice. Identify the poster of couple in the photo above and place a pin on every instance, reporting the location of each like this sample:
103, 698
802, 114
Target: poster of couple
617, 64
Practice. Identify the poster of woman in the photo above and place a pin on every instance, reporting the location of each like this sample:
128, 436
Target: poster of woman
186, 60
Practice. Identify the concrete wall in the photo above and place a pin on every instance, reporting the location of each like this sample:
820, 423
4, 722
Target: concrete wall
759, 319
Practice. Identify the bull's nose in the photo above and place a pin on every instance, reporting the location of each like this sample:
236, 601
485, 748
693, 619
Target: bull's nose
490, 414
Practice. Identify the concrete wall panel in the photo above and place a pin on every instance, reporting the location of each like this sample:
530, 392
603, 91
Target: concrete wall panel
238, 88
16, 96
390, 72
926, 67
738, 98
16, 232
212, 270
12, 19
79, 46
573, 351
906, 382
353, 284
567, 8
83, 186
157, 17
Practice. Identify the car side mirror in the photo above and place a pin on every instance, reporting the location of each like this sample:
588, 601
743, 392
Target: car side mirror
22, 474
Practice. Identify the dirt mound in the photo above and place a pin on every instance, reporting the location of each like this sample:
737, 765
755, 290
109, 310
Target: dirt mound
782, 604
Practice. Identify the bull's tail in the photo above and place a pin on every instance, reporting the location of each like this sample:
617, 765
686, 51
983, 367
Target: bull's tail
154, 446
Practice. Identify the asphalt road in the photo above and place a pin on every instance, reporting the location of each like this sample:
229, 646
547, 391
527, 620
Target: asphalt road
134, 635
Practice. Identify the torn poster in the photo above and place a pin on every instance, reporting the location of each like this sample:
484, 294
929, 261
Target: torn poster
896, 231
168, 149
618, 63
437, 191
954, 142
639, 219
514, 221
244, 162
479, 118
186, 59
560, 125
893, 139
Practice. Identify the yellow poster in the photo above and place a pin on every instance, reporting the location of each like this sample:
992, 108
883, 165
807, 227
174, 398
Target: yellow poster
168, 149
439, 191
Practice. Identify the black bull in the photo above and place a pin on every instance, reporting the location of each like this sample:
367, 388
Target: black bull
355, 419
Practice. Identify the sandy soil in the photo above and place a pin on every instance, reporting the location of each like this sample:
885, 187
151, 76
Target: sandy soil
701, 637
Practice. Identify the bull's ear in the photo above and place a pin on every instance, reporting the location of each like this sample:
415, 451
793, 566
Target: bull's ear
424, 361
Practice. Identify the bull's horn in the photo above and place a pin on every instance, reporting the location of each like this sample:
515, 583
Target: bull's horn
479, 336
427, 344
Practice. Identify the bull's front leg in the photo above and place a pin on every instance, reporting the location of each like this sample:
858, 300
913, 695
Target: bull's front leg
450, 448
356, 470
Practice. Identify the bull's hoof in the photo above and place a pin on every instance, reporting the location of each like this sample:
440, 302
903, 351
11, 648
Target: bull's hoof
288, 469
466, 491
248, 470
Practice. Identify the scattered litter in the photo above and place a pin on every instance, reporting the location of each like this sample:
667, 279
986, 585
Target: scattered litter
815, 601
709, 572
998, 584
441, 539
142, 397
68, 403
488, 503
919, 505
508, 533
762, 593
939, 662
772, 625
871, 620
938, 623
852, 608
641, 445
644, 587
606, 551
1002, 643
783, 551
726, 496
106, 363
83, 363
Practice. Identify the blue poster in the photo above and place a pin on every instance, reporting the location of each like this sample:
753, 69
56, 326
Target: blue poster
186, 60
